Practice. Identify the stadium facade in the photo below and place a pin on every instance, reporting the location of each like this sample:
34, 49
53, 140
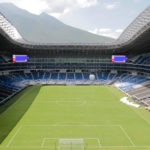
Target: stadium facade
72, 63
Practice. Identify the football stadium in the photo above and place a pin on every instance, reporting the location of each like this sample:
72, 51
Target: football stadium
75, 96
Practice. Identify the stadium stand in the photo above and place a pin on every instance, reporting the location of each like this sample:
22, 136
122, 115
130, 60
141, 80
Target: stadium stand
17, 80
72, 63
142, 59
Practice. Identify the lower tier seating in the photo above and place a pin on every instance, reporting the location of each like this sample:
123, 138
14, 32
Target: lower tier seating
137, 86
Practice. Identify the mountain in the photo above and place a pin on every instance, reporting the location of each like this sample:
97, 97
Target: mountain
44, 28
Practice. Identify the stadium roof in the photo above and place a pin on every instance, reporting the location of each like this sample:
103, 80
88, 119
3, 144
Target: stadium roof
135, 37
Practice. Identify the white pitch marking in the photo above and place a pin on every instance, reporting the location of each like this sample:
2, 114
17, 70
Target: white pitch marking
13, 137
71, 124
99, 142
128, 137
44, 140
38, 147
141, 116
97, 139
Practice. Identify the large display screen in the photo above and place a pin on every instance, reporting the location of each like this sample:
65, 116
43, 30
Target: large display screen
119, 58
20, 58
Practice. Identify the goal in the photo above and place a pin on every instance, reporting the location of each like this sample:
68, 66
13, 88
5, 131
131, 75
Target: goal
71, 144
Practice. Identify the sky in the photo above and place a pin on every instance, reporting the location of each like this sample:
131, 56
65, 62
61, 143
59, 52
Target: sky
102, 17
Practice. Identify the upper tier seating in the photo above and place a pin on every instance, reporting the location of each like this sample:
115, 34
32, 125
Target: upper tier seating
142, 59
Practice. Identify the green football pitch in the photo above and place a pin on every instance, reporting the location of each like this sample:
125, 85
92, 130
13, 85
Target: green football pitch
73, 118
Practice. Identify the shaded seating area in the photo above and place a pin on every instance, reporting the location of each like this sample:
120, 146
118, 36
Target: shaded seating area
5, 92
10, 84
142, 59
137, 86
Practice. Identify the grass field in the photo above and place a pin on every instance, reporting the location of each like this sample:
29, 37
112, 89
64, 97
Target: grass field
91, 114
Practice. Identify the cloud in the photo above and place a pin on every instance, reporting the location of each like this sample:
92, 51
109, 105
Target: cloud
58, 14
112, 4
59, 8
86, 3
40, 6
33, 6
56, 8
107, 32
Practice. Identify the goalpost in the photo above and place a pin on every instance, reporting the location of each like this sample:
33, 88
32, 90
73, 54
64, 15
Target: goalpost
71, 144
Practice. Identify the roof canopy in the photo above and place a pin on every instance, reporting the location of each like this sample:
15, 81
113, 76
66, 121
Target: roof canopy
135, 37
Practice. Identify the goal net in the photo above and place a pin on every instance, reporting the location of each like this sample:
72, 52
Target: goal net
71, 144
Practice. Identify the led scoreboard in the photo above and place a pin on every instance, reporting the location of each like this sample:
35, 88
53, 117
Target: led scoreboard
119, 58
20, 58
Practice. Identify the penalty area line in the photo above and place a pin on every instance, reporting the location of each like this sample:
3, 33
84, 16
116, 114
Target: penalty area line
44, 141
126, 134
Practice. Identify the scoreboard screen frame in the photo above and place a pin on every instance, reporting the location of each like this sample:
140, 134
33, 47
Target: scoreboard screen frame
20, 58
119, 59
